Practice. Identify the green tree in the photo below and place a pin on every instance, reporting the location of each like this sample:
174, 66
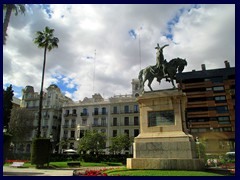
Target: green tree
47, 41
19, 8
7, 106
120, 143
21, 124
93, 142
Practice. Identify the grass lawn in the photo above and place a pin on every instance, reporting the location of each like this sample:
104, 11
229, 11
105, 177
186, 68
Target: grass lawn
130, 172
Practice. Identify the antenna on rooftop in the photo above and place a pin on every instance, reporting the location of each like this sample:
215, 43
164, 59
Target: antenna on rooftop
139, 43
95, 55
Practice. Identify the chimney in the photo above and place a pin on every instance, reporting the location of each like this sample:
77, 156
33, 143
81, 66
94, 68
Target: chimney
203, 67
227, 65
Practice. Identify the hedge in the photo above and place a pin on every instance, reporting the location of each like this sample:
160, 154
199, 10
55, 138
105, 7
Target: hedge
40, 154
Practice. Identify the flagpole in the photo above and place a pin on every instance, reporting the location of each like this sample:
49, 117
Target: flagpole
139, 42
95, 54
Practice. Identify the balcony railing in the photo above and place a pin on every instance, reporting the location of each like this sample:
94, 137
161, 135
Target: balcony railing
99, 125
99, 113
84, 114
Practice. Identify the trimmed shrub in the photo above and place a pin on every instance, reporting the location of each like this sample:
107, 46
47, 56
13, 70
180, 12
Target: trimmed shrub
6, 145
40, 153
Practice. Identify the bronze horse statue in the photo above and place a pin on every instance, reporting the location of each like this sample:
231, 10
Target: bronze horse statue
171, 68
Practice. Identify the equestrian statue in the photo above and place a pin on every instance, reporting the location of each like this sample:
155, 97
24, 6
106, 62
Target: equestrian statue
162, 69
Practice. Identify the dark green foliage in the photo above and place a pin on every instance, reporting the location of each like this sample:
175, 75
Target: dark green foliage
40, 154
6, 144
119, 143
93, 142
7, 105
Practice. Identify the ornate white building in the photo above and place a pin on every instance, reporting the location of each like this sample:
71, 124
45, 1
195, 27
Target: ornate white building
114, 116
53, 100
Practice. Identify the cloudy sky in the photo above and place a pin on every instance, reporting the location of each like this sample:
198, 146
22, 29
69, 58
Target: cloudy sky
102, 47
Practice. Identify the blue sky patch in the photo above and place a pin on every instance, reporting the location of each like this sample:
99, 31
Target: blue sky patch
48, 10
65, 83
132, 33
17, 90
172, 22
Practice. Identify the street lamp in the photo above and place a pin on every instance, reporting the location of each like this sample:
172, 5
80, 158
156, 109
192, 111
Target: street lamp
51, 141
198, 146
4, 129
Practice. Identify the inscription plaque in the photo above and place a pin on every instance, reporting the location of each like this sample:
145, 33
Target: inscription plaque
158, 118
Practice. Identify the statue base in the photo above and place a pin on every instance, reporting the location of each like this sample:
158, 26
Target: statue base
162, 143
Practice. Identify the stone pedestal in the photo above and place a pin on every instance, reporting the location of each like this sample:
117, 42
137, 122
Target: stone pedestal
162, 142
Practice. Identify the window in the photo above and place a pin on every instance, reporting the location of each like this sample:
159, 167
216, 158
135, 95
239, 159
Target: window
74, 112
95, 111
224, 120
217, 79
66, 112
126, 131
218, 88
115, 110
65, 134
220, 99
136, 108
81, 133
194, 130
136, 121
73, 123
72, 134
136, 132
66, 122
114, 133
103, 130
126, 109
114, 121
95, 121
222, 109
136, 87
84, 122
85, 112
126, 121
209, 89
104, 111
103, 122
227, 129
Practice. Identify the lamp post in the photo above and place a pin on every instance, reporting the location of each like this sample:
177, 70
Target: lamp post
198, 146
51, 141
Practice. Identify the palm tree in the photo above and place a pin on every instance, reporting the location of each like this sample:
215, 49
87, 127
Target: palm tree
9, 8
46, 40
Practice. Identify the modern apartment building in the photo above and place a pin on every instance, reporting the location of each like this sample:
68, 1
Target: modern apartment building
210, 113
114, 116
53, 101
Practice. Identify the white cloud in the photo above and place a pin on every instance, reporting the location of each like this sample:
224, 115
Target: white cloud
201, 35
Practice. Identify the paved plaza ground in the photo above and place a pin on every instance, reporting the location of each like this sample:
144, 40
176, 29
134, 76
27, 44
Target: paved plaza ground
13, 171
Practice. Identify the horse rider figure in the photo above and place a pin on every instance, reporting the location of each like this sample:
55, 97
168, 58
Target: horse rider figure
160, 61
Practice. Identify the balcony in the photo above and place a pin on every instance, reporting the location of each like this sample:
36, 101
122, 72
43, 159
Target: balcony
65, 126
84, 114
99, 125
72, 139
100, 114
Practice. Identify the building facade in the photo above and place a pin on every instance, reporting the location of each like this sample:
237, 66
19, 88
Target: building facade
114, 116
210, 112
53, 101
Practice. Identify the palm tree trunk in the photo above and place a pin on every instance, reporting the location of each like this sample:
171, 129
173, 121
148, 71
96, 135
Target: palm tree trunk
41, 95
6, 21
